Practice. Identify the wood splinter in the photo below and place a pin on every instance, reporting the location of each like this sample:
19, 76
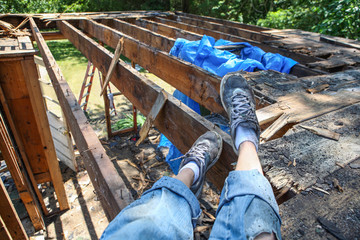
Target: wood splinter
323, 132
156, 108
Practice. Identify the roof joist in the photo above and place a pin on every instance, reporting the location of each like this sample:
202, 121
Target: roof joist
176, 121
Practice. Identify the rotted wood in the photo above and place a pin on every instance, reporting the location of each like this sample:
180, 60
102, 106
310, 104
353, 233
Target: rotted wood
244, 33
297, 160
301, 58
109, 186
224, 22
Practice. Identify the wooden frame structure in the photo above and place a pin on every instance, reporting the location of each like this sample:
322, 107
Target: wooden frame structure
148, 37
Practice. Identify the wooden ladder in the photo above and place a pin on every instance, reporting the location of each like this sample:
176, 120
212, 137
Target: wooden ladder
86, 85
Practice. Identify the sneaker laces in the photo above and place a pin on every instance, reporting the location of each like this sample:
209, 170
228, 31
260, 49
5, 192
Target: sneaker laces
197, 152
241, 107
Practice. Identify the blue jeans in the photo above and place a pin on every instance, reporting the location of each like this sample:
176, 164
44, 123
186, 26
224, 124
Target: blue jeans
169, 210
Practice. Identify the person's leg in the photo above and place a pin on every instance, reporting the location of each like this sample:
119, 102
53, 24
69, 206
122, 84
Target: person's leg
247, 208
169, 210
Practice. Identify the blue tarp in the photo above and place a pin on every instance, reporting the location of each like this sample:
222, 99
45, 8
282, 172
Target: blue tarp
203, 53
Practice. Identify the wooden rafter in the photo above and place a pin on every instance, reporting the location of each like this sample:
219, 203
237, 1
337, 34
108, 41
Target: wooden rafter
180, 125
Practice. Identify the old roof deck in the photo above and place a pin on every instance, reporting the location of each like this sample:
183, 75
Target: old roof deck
322, 89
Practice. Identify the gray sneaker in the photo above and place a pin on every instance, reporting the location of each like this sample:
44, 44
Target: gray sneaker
238, 100
204, 152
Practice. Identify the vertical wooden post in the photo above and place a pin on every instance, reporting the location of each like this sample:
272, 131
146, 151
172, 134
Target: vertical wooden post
134, 108
10, 224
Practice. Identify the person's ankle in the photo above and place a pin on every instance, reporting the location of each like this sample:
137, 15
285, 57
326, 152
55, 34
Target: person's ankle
247, 144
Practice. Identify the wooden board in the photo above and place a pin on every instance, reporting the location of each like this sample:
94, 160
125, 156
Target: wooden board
43, 128
10, 222
300, 214
245, 33
225, 22
109, 186
14, 165
301, 58
301, 157
62, 143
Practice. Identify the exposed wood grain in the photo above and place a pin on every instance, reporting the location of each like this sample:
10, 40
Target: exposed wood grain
21, 148
109, 186
323, 132
43, 128
9, 217
20, 180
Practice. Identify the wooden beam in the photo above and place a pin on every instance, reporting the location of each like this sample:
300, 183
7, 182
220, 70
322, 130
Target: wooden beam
301, 58
244, 33
224, 22
52, 36
181, 125
118, 50
198, 84
109, 186
10, 221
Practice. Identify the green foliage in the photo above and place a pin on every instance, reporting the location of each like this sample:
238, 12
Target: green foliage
127, 122
247, 11
331, 17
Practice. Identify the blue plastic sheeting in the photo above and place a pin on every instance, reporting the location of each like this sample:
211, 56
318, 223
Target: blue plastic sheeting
203, 53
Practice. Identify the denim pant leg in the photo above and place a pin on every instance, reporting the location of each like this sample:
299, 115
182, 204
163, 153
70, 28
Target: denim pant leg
247, 207
168, 210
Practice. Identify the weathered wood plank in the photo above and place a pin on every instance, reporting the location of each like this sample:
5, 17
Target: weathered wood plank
244, 33
299, 158
43, 128
191, 80
301, 58
180, 125
9, 217
109, 186
224, 22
